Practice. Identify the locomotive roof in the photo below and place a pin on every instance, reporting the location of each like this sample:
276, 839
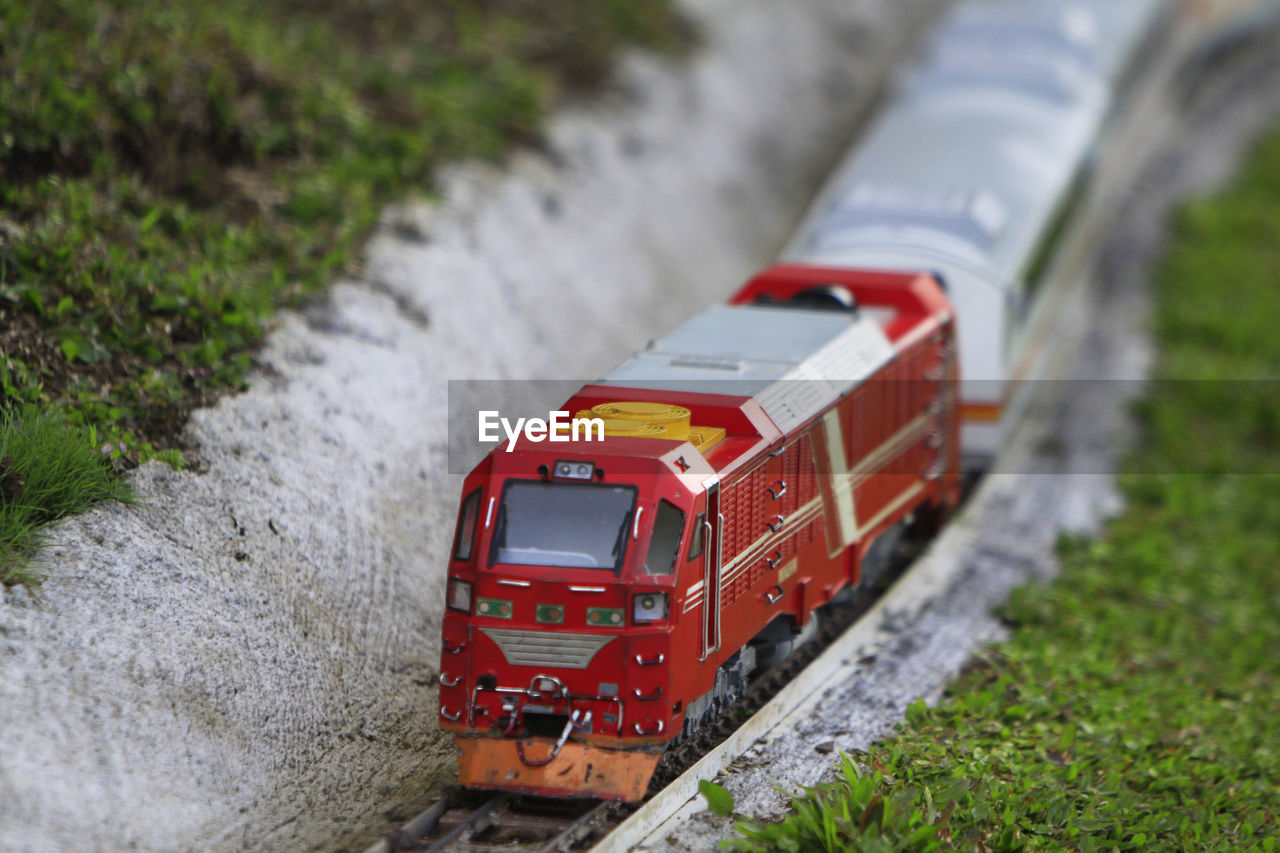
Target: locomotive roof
793, 362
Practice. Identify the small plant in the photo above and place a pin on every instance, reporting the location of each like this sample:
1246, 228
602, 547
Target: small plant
49, 469
719, 801
858, 811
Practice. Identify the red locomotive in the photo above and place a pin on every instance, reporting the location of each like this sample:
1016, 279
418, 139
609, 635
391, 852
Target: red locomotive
607, 596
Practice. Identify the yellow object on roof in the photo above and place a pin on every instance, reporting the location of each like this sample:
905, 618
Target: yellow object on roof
640, 419
705, 438
626, 426
675, 419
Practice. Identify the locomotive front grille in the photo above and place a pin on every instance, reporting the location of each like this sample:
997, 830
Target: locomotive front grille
541, 648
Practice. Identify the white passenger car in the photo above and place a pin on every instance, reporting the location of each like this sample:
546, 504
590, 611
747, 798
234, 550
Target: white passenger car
974, 168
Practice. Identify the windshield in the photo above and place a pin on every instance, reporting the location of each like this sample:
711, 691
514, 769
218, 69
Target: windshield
576, 525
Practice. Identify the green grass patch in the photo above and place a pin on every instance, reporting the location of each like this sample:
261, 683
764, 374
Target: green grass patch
173, 173
48, 469
1135, 707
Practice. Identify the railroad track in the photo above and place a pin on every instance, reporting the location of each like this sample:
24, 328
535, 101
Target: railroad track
465, 821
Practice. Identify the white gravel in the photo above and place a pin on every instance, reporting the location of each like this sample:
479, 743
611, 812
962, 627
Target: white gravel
245, 659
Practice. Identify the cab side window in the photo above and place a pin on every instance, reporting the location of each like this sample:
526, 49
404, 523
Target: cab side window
695, 540
664, 545
466, 533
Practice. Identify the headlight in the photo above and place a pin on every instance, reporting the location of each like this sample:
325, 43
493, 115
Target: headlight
458, 595
575, 470
649, 607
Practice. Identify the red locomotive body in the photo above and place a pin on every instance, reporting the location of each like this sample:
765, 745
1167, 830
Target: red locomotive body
607, 596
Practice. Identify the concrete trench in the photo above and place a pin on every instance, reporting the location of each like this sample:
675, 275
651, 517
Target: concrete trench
246, 658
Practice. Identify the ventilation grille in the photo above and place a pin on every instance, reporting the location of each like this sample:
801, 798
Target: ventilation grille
540, 648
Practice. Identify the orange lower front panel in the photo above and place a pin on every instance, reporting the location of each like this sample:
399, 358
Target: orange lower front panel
578, 770
983, 412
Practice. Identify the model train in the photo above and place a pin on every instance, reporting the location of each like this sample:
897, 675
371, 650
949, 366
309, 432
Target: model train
605, 597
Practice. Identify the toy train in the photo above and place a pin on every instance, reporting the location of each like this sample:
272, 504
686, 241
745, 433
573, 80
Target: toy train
606, 597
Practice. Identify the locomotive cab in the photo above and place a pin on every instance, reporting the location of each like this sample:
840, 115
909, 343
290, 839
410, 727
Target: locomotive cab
562, 599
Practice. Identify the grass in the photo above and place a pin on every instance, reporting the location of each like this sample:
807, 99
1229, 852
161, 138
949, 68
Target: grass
1134, 707
48, 470
173, 173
